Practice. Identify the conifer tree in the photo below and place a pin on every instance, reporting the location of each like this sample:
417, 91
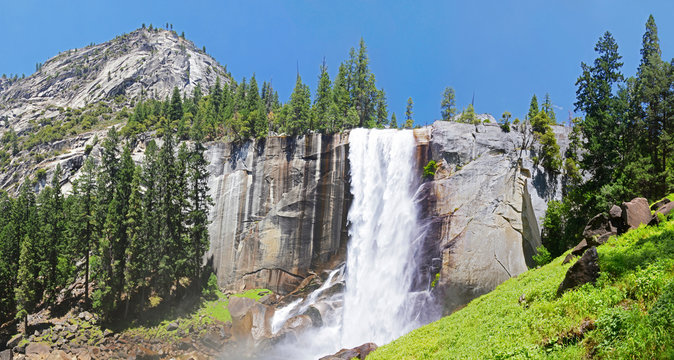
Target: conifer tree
448, 104
27, 294
176, 109
533, 108
409, 121
547, 108
299, 109
199, 203
83, 223
394, 121
323, 102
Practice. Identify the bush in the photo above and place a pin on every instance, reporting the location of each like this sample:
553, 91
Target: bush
429, 169
542, 256
210, 291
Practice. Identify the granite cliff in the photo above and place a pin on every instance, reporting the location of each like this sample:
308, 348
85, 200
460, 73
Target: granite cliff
281, 207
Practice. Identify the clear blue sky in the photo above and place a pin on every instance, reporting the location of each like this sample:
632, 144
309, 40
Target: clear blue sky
503, 51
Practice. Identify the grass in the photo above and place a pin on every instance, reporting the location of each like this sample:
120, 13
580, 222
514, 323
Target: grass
631, 306
208, 313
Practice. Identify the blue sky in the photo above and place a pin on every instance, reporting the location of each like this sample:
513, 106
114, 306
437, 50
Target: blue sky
502, 51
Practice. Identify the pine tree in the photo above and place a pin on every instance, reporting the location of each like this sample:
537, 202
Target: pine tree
136, 269
27, 294
52, 232
299, 109
381, 109
394, 121
409, 121
547, 108
83, 224
176, 109
533, 108
323, 102
448, 104
199, 203
601, 127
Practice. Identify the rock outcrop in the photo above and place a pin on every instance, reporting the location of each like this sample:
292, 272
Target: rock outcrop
280, 209
484, 206
148, 62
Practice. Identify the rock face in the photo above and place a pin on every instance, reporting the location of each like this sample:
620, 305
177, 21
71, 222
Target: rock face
280, 209
152, 62
484, 206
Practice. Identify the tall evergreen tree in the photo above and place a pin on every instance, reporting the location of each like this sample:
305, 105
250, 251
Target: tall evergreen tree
595, 97
533, 108
448, 104
409, 121
394, 122
323, 102
176, 108
299, 109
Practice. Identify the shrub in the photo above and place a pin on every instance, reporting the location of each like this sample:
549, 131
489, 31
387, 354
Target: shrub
210, 291
542, 256
429, 169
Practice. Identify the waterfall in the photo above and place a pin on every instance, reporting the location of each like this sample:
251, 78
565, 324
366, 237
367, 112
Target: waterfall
384, 231
385, 234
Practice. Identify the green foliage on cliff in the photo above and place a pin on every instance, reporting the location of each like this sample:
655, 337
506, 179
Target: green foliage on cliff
631, 307
429, 169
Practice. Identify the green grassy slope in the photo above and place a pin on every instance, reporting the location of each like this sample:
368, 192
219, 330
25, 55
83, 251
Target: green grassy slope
631, 307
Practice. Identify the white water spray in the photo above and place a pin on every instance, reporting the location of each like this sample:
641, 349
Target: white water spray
385, 234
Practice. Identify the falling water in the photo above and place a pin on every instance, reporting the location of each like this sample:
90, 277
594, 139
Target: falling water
384, 229
385, 234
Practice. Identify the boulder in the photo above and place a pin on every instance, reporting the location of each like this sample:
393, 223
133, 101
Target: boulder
38, 348
657, 205
359, 352
580, 248
665, 210
568, 258
585, 270
615, 217
172, 326
14, 341
315, 315
635, 213
599, 229
6, 354
251, 321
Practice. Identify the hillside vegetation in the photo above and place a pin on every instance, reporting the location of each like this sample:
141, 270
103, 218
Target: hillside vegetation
627, 314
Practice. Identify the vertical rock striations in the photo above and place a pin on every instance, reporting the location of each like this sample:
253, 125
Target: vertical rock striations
484, 207
280, 209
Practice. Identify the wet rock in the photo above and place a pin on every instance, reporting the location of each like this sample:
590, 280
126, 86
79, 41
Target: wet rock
251, 321
172, 326
635, 213
14, 341
359, 352
315, 315
585, 270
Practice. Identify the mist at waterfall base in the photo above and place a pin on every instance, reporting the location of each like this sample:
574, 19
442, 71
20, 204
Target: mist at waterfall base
379, 303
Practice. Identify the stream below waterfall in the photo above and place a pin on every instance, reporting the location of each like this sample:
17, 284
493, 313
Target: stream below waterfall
375, 301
